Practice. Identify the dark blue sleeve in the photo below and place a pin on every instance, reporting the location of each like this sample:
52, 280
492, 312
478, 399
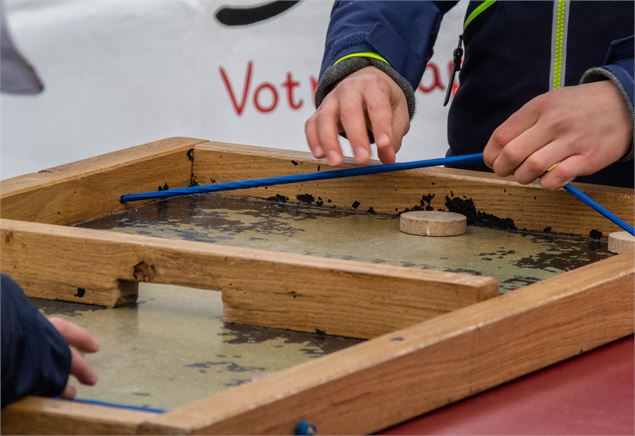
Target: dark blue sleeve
618, 68
35, 357
403, 32
619, 62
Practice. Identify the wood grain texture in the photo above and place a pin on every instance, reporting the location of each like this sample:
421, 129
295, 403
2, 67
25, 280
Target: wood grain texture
530, 206
394, 377
297, 292
36, 415
361, 389
91, 187
370, 386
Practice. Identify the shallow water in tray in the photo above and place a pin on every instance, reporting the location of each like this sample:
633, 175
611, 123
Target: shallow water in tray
514, 258
173, 347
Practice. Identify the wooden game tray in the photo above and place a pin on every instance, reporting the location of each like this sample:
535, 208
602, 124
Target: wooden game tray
437, 336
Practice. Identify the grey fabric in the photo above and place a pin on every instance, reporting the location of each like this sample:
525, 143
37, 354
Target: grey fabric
598, 74
337, 72
17, 76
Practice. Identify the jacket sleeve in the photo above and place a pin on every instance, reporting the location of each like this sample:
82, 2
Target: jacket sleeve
35, 357
618, 68
401, 32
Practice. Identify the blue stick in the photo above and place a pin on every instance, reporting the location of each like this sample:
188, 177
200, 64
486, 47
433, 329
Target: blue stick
351, 172
598, 207
118, 405
295, 178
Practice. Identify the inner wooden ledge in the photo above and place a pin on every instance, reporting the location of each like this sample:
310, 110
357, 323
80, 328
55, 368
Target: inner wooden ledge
344, 298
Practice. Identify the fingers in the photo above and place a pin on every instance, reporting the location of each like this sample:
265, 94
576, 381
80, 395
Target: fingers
386, 154
81, 370
399, 116
310, 131
326, 125
541, 161
380, 114
353, 121
79, 341
564, 172
401, 125
555, 166
512, 128
69, 392
529, 155
75, 335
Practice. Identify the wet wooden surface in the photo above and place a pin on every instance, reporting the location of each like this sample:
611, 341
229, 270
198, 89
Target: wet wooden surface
514, 258
173, 347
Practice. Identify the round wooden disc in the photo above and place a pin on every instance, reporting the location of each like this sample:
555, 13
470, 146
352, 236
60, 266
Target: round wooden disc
433, 223
621, 242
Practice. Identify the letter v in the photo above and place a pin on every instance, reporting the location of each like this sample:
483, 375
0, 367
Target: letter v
238, 106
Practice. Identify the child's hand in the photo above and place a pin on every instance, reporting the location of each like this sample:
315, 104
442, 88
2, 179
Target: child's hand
367, 100
581, 128
80, 341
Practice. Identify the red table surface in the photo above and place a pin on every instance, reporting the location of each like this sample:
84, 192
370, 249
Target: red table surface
589, 394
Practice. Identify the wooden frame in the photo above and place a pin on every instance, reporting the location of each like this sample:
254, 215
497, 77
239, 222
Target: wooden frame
456, 338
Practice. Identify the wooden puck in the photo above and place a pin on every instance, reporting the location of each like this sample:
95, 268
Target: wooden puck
621, 242
432, 223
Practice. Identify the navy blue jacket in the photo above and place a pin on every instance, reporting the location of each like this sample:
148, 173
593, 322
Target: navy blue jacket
36, 359
509, 56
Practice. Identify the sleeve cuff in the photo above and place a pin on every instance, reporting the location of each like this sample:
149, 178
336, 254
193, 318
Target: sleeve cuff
344, 67
598, 74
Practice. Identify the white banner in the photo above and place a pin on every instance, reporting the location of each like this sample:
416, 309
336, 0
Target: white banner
123, 72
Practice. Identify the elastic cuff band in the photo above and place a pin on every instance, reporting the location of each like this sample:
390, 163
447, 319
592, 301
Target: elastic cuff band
364, 54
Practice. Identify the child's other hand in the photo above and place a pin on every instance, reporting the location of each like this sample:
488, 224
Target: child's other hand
582, 129
80, 342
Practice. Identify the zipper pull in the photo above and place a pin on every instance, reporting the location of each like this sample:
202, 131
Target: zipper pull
458, 56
